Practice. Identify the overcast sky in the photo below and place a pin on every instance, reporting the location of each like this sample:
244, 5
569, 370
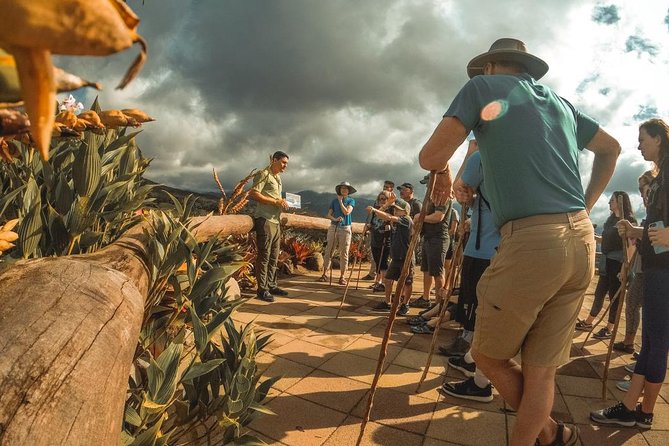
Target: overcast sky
352, 89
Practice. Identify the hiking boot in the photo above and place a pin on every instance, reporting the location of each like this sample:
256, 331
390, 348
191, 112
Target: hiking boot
382, 307
604, 333
403, 310
623, 385
265, 296
583, 326
622, 347
420, 303
278, 292
422, 329
459, 363
458, 348
368, 277
468, 390
630, 367
643, 420
618, 414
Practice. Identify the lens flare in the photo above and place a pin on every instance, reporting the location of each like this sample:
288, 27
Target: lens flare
494, 110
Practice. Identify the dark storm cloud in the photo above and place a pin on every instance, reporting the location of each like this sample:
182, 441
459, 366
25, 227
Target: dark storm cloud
646, 112
640, 45
608, 15
350, 89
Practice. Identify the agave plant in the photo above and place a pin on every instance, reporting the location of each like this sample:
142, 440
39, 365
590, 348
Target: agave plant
186, 366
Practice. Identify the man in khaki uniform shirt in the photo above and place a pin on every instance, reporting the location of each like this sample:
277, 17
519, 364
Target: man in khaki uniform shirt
266, 191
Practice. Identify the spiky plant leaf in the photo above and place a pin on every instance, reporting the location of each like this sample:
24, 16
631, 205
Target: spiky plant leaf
86, 170
30, 232
199, 369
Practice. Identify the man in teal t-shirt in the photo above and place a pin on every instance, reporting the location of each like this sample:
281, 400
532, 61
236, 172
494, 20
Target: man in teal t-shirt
530, 295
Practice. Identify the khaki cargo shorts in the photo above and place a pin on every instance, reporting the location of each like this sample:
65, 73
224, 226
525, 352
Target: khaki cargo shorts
530, 295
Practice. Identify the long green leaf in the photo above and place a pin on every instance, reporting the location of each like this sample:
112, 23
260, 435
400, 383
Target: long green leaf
199, 331
199, 369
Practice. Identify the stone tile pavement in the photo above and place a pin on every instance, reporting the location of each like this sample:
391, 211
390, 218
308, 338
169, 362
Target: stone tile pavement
327, 366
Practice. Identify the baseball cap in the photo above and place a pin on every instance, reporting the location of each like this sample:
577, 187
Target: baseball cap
402, 205
403, 185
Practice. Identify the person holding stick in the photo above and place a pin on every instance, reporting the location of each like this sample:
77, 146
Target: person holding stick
651, 366
634, 300
399, 246
612, 252
480, 248
388, 188
339, 232
380, 241
529, 297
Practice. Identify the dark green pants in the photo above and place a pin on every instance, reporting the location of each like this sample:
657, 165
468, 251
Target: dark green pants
268, 236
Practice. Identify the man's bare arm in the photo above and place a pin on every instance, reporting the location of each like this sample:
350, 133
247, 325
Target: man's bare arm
264, 199
606, 149
436, 153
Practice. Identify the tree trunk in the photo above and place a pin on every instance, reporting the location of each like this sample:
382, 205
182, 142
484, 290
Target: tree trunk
68, 331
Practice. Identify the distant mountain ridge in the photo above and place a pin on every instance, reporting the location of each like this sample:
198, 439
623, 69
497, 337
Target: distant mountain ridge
313, 203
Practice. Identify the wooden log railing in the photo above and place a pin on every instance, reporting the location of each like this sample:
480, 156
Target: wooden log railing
68, 330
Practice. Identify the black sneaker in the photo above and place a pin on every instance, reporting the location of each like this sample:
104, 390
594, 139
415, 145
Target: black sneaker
459, 363
378, 287
458, 348
417, 320
278, 292
468, 390
622, 347
420, 303
382, 307
368, 277
266, 296
403, 310
643, 420
604, 333
618, 414
583, 326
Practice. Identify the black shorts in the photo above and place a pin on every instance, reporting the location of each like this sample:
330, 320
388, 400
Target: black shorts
394, 270
472, 270
380, 256
434, 256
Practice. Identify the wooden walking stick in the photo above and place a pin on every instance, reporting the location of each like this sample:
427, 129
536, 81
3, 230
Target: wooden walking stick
334, 245
394, 304
364, 240
624, 272
456, 263
350, 274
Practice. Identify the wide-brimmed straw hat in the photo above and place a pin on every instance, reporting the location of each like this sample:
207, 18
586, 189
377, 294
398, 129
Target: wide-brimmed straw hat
508, 49
351, 189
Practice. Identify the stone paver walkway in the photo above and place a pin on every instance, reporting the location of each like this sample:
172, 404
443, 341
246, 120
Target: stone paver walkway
327, 366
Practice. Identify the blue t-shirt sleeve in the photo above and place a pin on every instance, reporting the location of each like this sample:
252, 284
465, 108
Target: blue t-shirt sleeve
466, 105
472, 174
349, 201
334, 203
